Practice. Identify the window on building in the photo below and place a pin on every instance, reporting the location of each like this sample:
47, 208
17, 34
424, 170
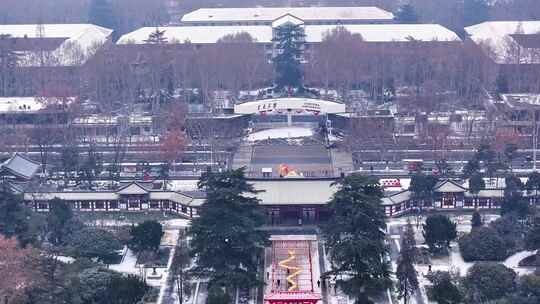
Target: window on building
154, 205
114, 205
100, 205
85, 205
43, 205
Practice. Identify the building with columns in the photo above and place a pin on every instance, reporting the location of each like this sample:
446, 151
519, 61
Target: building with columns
294, 201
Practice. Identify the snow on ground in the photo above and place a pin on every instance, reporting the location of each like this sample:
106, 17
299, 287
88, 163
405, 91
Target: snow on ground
176, 224
456, 261
128, 263
315, 267
65, 259
291, 132
169, 237
513, 262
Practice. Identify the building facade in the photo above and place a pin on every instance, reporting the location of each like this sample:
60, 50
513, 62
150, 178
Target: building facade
288, 202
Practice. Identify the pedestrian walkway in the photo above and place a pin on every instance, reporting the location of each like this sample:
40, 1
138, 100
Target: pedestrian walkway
128, 264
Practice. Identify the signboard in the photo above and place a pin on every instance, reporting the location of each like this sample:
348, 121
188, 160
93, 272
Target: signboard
295, 106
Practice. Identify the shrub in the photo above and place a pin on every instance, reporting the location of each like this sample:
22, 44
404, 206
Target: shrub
489, 281
482, 244
508, 229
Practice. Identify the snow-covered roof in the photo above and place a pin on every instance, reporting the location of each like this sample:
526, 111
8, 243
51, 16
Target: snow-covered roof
29, 104
314, 33
20, 104
523, 100
498, 35
294, 192
397, 198
387, 32
268, 14
173, 196
133, 188
487, 193
77, 47
287, 19
448, 186
20, 166
198, 34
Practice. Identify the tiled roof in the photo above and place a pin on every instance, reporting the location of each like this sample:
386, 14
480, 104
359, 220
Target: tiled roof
21, 166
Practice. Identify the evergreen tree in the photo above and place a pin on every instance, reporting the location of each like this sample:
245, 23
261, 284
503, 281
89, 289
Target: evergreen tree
226, 239
482, 244
354, 237
406, 273
100, 13
476, 184
487, 156
488, 282
146, 236
532, 238
58, 219
476, 220
422, 187
471, 168
126, 290
475, 11
444, 290
406, 14
439, 231
157, 37
533, 183
513, 186
514, 202
94, 243
217, 295
510, 151
12, 213
164, 173
289, 40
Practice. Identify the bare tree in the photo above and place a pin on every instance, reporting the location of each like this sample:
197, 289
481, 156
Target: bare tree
336, 60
